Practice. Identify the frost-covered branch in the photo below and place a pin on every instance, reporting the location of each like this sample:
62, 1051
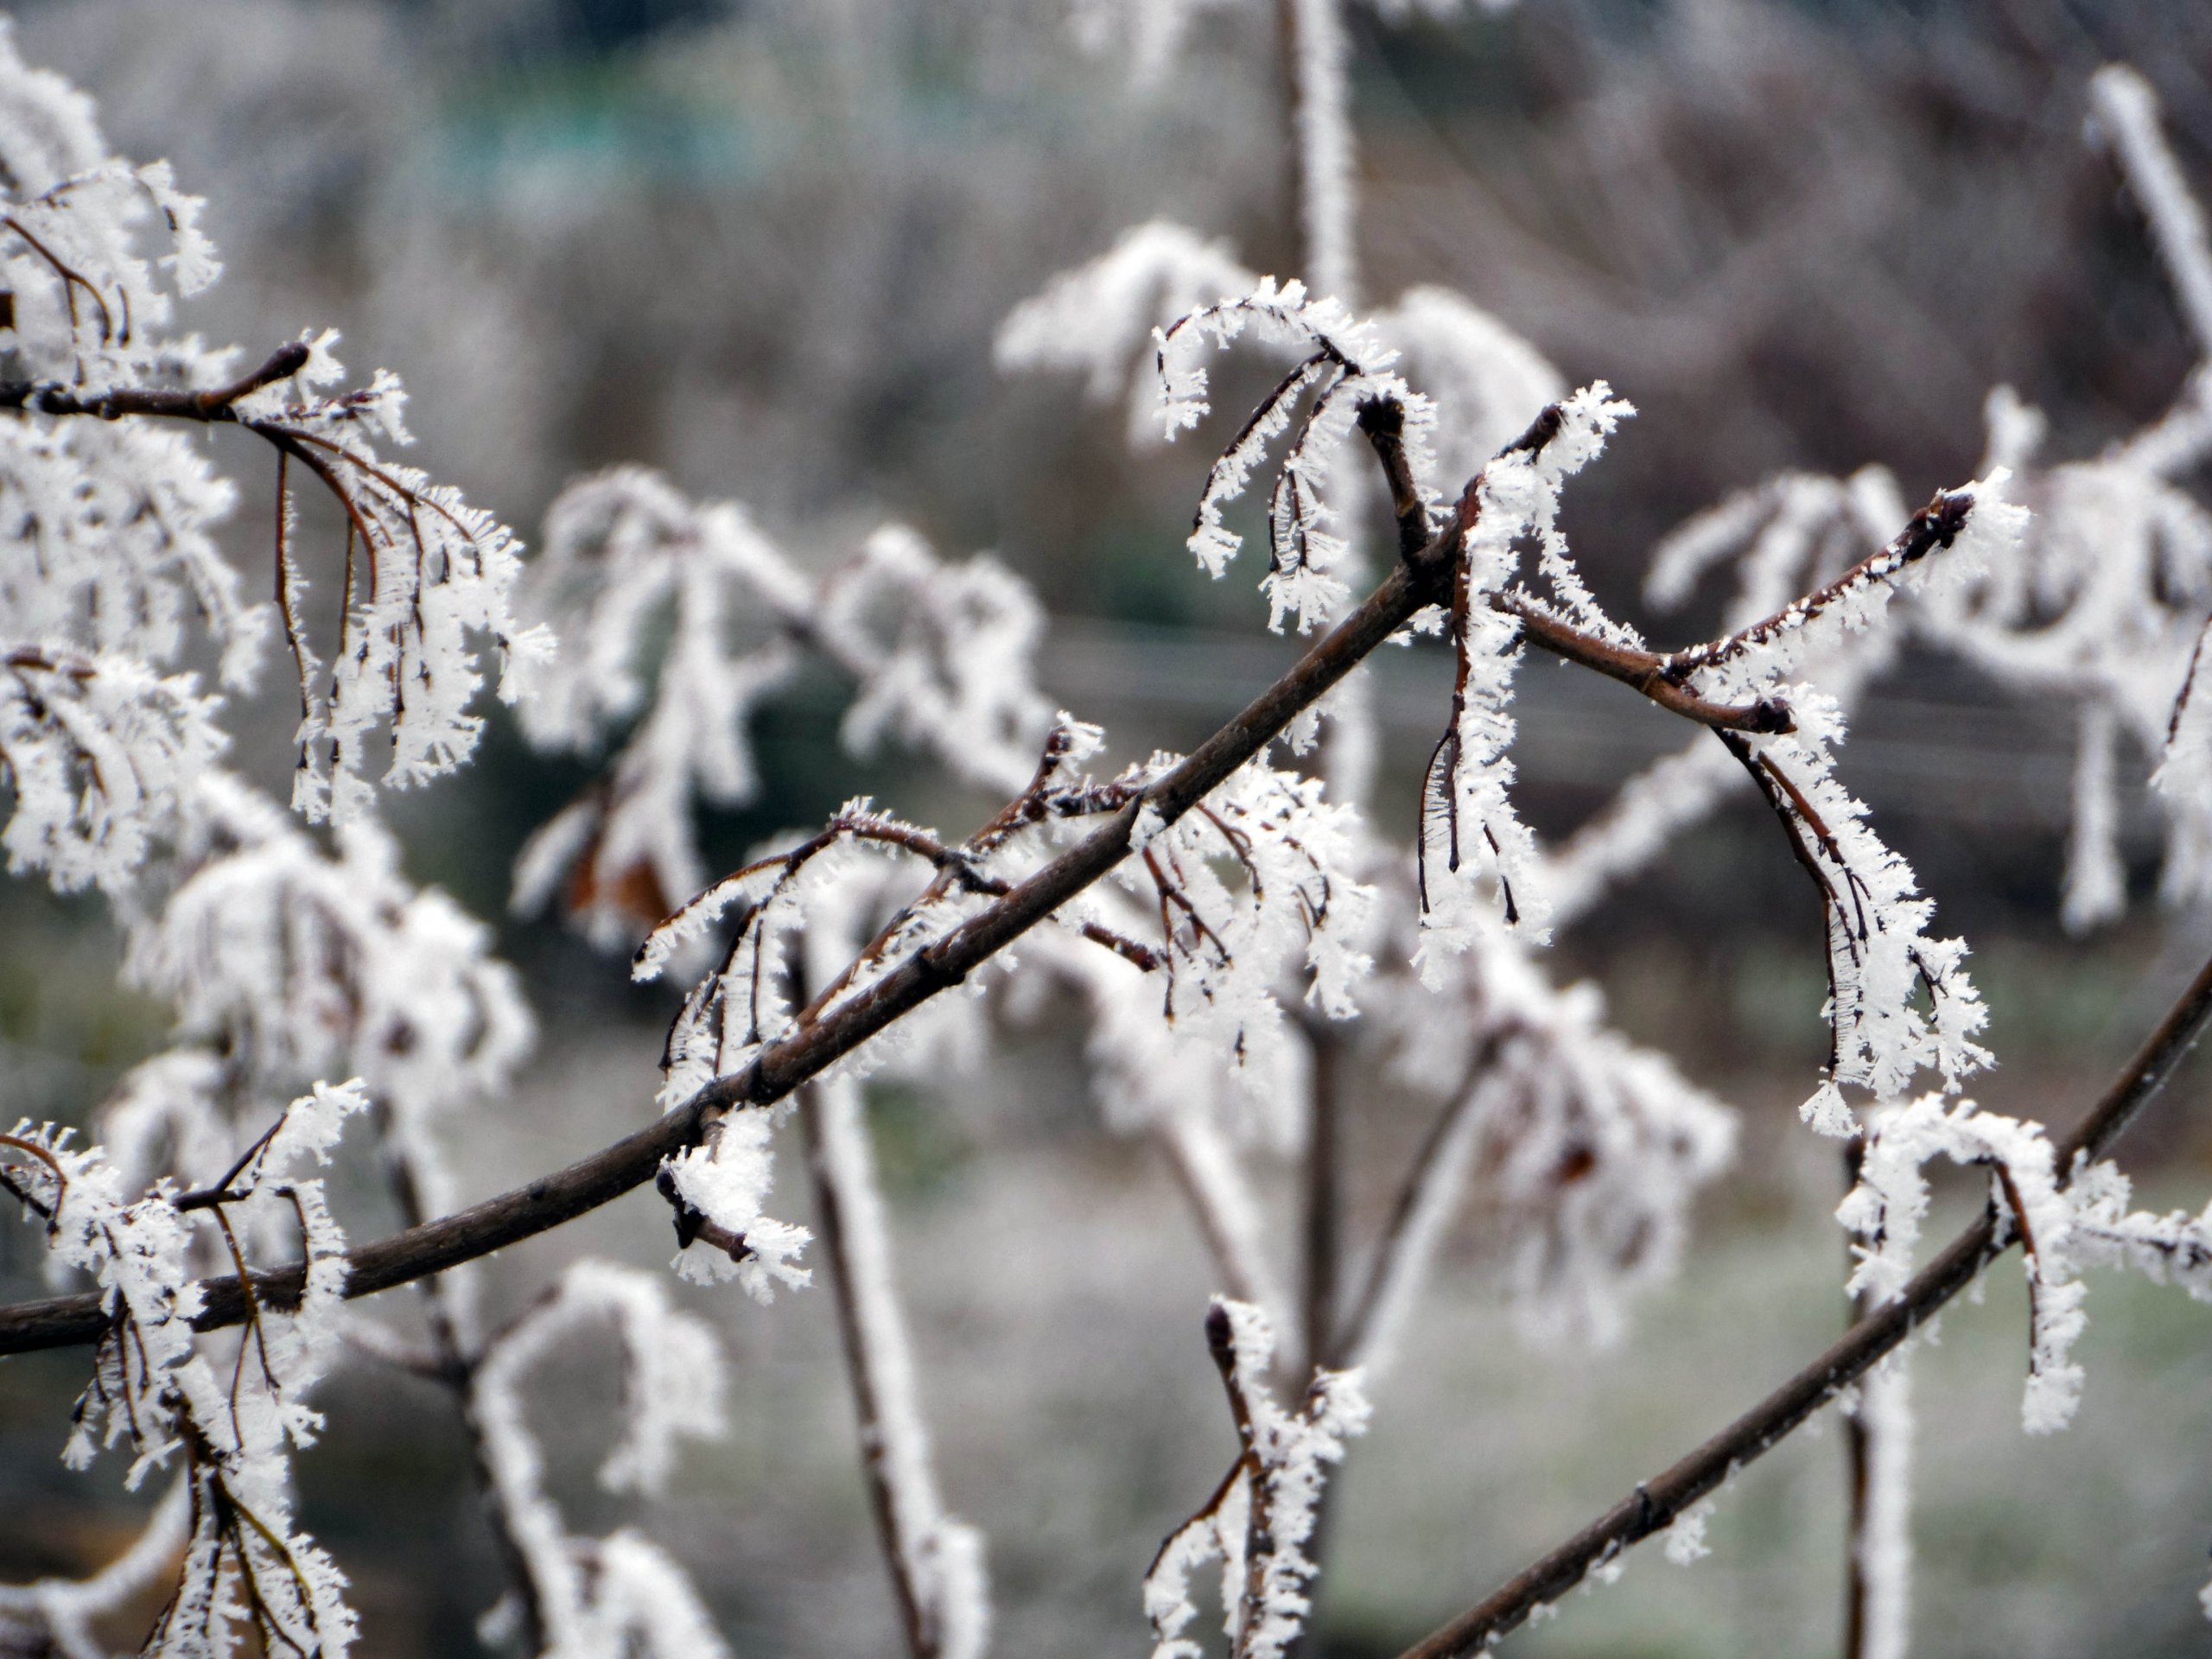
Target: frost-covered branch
229, 1417
2127, 111
1655, 1503
619, 1596
1583, 1153
422, 570
939, 654
99, 752
1877, 1600
1259, 1520
820, 1035
937, 1562
114, 509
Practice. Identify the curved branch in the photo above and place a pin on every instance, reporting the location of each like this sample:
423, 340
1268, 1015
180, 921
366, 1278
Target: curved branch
1647, 672
1654, 1504
213, 407
1419, 580
631, 1162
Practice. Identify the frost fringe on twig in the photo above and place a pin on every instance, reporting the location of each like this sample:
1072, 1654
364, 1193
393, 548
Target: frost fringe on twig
1258, 1521
939, 655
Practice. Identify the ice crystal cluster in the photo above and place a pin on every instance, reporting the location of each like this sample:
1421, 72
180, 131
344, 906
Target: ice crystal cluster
2087, 580
1239, 941
312, 984
938, 654
1260, 1520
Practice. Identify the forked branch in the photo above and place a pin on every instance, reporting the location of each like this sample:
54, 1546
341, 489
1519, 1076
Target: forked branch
824, 1035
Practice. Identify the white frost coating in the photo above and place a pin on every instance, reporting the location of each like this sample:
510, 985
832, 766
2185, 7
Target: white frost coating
1267, 1503
1418, 1235
157, 1391
1151, 1076
1790, 535
940, 655
1590, 1151
1487, 383
58, 1612
1627, 835
2127, 111
1151, 29
98, 752
1880, 957
740, 1005
1221, 1195
1886, 1210
286, 962
1327, 207
1251, 883
2096, 879
1477, 860
120, 513
123, 516
1341, 363
1884, 1546
1097, 319
940, 1559
1214, 1535
726, 1179
297, 962
1686, 1542
2173, 1248
166, 1116
620, 1597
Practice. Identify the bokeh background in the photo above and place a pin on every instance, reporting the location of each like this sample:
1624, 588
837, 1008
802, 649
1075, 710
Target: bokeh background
763, 245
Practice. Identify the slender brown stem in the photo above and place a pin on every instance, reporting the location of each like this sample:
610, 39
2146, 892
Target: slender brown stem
1321, 1240
456, 1370
1858, 1449
215, 407
1426, 1168
1321, 1245
825, 1035
1646, 670
859, 1364
1653, 1505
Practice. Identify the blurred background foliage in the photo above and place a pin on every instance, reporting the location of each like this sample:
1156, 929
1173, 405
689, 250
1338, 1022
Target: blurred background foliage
763, 245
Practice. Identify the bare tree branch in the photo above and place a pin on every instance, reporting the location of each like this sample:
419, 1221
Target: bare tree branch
877, 1355
1654, 1504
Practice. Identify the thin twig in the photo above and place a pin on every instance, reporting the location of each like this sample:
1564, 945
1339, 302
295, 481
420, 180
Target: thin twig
862, 1361
824, 1035
1654, 1504
456, 1370
1856, 1452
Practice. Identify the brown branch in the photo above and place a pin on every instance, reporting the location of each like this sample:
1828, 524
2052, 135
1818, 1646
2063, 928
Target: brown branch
823, 1035
456, 1371
1656, 675
1858, 1450
563, 1195
1384, 423
1654, 1505
1935, 525
1259, 1543
1647, 672
215, 407
829, 1224
1325, 1191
